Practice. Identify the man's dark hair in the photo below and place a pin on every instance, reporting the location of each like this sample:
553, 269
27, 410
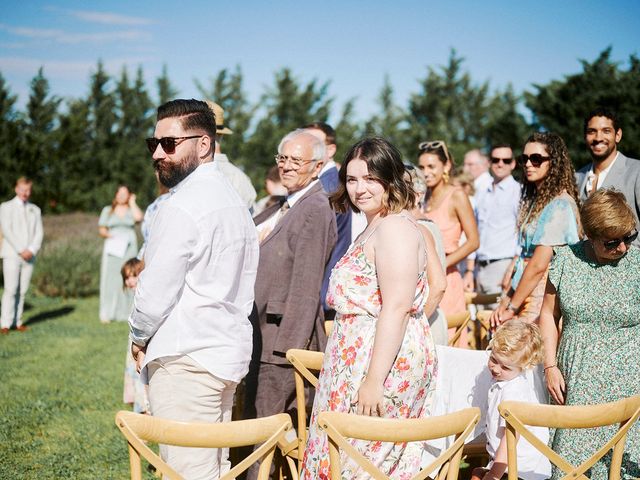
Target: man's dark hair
603, 112
194, 115
499, 145
327, 129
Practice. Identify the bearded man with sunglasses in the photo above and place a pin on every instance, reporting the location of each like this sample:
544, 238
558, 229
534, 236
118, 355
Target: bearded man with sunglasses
497, 215
189, 327
610, 168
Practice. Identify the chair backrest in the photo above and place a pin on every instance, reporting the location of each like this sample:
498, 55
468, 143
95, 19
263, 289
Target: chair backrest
342, 426
459, 321
518, 415
328, 327
306, 365
473, 298
138, 429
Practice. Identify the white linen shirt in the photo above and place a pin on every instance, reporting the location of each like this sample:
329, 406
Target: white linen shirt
532, 464
497, 215
588, 186
195, 293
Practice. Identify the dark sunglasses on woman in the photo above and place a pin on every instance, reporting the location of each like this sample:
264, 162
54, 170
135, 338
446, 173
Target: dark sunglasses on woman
535, 158
627, 239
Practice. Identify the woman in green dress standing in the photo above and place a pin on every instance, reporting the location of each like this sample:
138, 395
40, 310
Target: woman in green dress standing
594, 286
117, 227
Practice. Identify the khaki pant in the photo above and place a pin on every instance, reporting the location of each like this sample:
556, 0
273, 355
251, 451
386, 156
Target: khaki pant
17, 276
180, 389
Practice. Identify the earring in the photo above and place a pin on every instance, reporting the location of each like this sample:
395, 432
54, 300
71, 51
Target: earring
445, 177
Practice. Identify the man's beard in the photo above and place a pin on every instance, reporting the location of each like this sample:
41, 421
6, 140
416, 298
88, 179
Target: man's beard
170, 174
601, 156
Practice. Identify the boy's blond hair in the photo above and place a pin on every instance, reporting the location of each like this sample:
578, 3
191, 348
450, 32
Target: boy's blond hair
519, 341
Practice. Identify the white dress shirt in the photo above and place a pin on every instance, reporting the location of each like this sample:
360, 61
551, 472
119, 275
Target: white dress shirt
238, 179
532, 464
196, 291
497, 216
481, 183
591, 175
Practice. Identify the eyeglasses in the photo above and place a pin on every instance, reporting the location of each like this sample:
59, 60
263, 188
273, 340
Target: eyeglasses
506, 161
627, 240
296, 162
536, 159
168, 144
433, 145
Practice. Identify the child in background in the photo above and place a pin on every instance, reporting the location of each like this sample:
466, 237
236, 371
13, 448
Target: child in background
135, 392
515, 347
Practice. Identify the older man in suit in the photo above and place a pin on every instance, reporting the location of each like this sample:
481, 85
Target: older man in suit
610, 168
21, 225
297, 236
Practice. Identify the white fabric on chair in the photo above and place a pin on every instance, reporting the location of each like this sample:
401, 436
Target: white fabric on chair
463, 381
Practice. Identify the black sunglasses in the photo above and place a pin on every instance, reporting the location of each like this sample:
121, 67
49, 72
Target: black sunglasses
168, 144
535, 158
627, 239
506, 161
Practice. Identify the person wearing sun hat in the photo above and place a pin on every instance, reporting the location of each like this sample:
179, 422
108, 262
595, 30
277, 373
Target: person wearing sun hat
237, 178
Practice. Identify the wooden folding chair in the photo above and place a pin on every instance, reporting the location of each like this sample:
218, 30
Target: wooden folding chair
517, 415
328, 327
306, 365
342, 426
481, 330
137, 429
459, 321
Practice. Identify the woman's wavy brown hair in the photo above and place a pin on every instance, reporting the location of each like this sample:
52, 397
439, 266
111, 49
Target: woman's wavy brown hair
384, 162
560, 178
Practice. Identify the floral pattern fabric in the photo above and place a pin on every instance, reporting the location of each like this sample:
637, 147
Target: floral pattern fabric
408, 389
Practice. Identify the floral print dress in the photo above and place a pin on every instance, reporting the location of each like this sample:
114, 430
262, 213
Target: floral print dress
408, 389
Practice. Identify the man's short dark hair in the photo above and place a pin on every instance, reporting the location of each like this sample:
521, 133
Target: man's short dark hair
606, 112
194, 115
327, 129
499, 145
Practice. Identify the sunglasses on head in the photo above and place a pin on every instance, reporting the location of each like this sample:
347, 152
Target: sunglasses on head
168, 144
627, 240
536, 159
423, 146
506, 161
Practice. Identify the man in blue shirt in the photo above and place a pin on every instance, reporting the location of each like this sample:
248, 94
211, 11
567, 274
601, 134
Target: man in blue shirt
497, 215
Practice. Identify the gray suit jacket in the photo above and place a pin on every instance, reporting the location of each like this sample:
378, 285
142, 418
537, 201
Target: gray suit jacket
21, 228
624, 176
288, 312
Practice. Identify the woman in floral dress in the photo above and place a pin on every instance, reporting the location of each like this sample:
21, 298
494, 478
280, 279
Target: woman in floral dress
594, 286
380, 358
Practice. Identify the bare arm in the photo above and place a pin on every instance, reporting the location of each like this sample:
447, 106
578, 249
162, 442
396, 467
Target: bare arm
500, 460
464, 211
435, 274
533, 273
103, 232
138, 215
398, 272
549, 319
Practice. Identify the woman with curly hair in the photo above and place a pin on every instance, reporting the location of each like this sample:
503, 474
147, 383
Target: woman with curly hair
548, 218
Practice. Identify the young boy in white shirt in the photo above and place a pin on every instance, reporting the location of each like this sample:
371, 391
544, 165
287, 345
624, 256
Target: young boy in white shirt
515, 347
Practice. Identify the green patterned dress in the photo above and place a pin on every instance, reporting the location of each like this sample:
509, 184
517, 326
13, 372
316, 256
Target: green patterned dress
599, 350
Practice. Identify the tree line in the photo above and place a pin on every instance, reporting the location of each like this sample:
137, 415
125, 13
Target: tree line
78, 150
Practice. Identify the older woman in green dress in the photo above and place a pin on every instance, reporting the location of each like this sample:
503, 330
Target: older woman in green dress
594, 286
117, 226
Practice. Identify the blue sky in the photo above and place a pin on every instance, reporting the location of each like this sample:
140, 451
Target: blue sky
352, 44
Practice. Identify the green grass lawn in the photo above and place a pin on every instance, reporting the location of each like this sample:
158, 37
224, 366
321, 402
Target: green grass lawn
60, 387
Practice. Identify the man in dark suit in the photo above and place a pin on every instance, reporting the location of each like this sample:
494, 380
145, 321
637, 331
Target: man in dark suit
297, 236
330, 182
610, 168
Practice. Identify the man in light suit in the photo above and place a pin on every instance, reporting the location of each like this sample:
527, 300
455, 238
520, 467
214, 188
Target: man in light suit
330, 182
610, 168
297, 236
21, 225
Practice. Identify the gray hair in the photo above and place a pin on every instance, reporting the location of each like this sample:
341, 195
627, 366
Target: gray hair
317, 145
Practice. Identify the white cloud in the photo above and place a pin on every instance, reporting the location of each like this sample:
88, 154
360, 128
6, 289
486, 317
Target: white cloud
60, 36
107, 18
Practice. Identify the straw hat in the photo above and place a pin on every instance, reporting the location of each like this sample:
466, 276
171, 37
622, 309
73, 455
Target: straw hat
221, 128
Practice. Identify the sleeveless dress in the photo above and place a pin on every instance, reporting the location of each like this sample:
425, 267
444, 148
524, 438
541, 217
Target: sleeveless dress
453, 299
598, 349
408, 389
